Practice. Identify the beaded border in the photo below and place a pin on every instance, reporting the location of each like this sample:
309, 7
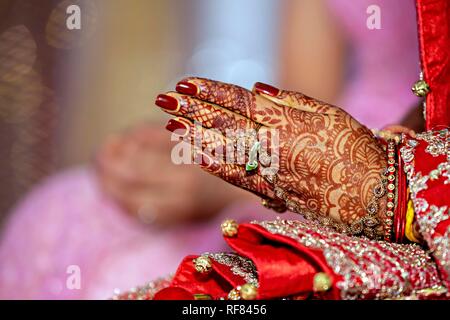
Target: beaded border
391, 190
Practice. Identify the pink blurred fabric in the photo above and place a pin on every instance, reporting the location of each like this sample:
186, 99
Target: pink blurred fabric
68, 221
384, 63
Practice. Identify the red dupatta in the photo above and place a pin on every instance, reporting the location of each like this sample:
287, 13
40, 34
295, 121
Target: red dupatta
433, 18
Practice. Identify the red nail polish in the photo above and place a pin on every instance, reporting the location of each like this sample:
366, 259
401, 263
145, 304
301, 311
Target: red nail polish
167, 102
187, 88
266, 89
177, 127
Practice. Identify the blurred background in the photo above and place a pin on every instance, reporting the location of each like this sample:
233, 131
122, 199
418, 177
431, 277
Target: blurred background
78, 86
84, 150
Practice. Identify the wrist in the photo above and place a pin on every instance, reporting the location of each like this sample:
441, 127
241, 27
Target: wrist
379, 200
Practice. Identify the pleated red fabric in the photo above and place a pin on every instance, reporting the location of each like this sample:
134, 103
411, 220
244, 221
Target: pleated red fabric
433, 17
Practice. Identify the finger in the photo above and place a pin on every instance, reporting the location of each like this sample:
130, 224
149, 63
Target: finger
293, 99
231, 125
230, 148
209, 141
195, 137
212, 154
237, 175
206, 114
233, 98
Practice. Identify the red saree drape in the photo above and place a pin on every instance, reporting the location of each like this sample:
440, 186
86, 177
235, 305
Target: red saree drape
433, 18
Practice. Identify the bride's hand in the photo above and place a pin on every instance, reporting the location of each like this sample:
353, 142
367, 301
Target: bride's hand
328, 163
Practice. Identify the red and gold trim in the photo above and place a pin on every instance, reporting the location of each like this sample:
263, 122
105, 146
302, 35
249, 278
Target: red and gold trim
401, 203
391, 186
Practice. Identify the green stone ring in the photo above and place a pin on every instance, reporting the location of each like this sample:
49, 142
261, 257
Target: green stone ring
251, 165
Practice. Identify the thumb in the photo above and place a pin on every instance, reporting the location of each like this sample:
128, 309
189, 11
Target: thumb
293, 99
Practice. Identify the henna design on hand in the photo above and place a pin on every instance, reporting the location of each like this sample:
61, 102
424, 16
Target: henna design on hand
328, 161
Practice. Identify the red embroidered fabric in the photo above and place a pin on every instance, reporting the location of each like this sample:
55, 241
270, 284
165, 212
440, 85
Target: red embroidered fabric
287, 254
427, 166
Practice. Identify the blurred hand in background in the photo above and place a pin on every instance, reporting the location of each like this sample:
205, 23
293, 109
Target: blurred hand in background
136, 170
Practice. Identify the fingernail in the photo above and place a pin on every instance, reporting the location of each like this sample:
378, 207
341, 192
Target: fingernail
167, 102
177, 127
266, 89
187, 88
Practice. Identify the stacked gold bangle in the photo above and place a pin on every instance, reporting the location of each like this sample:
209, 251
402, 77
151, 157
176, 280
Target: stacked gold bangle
391, 190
